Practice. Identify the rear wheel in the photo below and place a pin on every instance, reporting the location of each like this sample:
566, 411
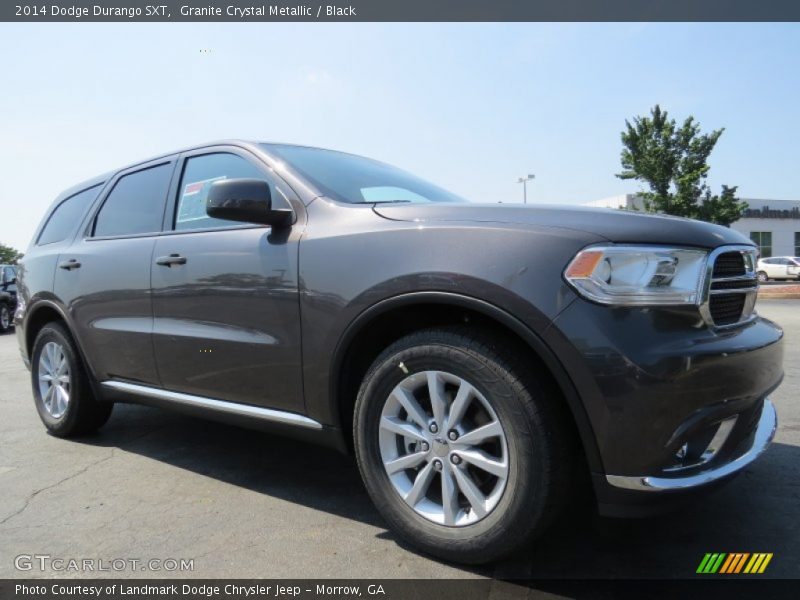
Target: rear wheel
61, 389
458, 447
762, 276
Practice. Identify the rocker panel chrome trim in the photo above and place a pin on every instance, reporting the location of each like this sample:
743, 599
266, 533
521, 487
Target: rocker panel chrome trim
246, 410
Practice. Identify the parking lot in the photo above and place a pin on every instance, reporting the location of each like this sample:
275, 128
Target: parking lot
153, 484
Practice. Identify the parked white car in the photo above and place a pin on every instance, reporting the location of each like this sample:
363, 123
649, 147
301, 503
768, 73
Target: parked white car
779, 267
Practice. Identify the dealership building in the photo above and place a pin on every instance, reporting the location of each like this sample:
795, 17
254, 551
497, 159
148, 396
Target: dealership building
774, 225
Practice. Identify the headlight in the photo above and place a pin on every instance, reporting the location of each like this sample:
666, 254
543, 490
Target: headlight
638, 275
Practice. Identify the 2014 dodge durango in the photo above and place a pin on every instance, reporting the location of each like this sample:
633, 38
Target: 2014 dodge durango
479, 360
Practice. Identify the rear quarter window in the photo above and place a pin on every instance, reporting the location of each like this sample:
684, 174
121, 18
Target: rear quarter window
66, 216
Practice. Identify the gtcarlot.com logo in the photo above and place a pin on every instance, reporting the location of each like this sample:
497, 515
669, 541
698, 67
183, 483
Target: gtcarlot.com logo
734, 562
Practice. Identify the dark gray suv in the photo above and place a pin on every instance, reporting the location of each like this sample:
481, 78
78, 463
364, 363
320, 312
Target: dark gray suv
481, 361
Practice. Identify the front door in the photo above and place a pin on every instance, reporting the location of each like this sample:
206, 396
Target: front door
225, 294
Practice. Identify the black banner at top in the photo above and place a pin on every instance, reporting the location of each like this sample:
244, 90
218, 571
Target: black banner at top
398, 10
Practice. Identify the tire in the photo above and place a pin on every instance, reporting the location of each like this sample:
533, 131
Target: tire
5, 317
78, 412
762, 276
538, 450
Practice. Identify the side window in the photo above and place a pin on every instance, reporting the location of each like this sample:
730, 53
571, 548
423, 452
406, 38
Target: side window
9, 274
136, 204
66, 216
199, 172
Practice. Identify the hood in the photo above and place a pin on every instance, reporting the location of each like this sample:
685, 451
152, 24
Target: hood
620, 226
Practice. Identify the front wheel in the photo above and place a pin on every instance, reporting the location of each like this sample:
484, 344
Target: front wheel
762, 276
462, 452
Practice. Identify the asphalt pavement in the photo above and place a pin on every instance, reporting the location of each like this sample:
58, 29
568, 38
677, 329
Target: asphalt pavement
159, 485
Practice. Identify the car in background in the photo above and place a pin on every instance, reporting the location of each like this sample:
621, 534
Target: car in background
8, 296
779, 267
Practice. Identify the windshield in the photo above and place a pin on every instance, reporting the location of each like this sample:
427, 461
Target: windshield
355, 179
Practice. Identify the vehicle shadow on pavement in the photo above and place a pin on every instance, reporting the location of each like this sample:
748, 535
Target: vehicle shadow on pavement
757, 512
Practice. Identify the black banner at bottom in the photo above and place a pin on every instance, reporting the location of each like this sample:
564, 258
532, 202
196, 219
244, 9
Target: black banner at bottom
390, 589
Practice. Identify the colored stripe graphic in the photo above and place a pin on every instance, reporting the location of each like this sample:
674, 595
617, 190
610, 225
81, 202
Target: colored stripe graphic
711, 562
703, 563
723, 563
759, 562
765, 563
741, 562
736, 562
729, 562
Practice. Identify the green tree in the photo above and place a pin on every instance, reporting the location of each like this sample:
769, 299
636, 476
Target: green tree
673, 162
9, 255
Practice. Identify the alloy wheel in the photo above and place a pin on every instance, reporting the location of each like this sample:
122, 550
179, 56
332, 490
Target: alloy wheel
443, 448
54, 379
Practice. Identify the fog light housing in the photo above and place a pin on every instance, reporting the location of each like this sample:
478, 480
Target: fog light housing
702, 447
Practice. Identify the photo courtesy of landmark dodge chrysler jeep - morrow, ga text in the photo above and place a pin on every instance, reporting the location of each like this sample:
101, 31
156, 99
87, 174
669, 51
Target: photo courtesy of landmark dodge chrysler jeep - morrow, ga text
481, 361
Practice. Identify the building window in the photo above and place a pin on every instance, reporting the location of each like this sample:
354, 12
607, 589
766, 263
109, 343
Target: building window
763, 239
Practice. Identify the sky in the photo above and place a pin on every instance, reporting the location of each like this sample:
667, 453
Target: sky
471, 107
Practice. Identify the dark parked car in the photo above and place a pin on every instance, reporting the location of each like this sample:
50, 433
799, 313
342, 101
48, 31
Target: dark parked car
481, 361
8, 296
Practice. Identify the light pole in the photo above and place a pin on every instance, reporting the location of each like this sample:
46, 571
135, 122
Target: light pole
524, 181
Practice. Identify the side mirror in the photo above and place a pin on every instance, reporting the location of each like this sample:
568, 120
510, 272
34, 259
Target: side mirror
245, 200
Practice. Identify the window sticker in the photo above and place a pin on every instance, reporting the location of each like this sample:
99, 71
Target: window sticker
192, 206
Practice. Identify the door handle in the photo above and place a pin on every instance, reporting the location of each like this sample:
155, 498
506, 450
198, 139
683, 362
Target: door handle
69, 264
172, 259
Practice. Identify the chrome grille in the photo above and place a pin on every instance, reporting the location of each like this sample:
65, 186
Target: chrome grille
731, 286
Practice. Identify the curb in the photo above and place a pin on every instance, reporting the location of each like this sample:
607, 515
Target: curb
779, 296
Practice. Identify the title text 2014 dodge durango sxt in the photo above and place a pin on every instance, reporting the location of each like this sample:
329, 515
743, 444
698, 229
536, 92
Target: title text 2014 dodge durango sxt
479, 360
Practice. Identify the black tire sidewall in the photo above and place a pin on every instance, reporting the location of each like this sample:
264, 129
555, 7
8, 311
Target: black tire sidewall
524, 498
78, 384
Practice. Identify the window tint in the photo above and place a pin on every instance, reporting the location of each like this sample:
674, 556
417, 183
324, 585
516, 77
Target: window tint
199, 173
136, 204
66, 216
9, 274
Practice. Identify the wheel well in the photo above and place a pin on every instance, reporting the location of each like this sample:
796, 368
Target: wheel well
387, 327
36, 321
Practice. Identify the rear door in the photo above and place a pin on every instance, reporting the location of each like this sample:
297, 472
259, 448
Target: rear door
104, 277
225, 294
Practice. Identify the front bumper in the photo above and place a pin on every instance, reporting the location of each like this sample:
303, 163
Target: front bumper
762, 437
657, 387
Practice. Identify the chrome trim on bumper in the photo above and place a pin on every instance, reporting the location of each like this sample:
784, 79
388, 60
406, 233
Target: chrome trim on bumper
765, 431
245, 410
